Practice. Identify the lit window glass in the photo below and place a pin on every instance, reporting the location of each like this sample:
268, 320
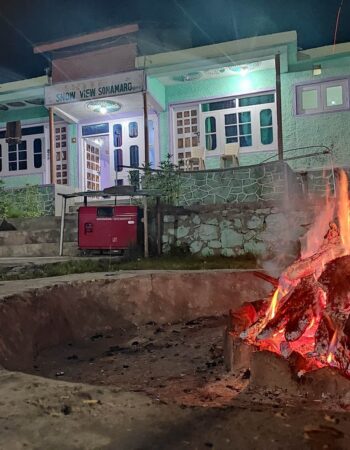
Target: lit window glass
210, 133
334, 95
133, 130
134, 156
266, 127
309, 99
118, 160
117, 135
38, 156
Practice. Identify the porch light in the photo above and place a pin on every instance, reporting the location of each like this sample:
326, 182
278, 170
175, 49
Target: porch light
103, 106
244, 71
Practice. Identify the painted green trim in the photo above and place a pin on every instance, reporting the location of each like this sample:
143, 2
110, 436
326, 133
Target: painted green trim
36, 112
157, 90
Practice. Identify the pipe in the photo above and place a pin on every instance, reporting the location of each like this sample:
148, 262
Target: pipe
279, 106
63, 214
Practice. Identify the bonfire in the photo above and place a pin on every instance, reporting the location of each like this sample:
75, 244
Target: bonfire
308, 312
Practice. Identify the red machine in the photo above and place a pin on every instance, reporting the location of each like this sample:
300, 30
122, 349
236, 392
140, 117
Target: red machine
107, 227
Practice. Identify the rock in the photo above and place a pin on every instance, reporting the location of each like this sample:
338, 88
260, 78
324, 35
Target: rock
182, 231
257, 248
271, 371
224, 224
207, 232
196, 246
237, 223
228, 252
207, 251
169, 219
237, 354
214, 244
254, 222
212, 221
325, 381
230, 238
196, 220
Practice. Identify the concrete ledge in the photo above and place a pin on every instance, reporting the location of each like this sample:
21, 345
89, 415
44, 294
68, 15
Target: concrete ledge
38, 314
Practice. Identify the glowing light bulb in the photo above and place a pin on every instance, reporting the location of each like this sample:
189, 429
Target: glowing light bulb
244, 71
103, 110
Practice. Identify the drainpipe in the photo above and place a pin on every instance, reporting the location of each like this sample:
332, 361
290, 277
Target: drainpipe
52, 146
279, 106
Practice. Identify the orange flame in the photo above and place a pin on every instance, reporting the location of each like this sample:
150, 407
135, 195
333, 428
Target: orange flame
343, 211
273, 304
332, 345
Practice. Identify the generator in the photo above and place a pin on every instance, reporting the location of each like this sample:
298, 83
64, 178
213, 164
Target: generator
112, 228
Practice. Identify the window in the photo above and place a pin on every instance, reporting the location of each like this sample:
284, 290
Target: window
245, 129
118, 160
266, 126
210, 133
325, 96
133, 129
256, 100
216, 106
118, 135
17, 156
95, 129
134, 156
38, 153
231, 130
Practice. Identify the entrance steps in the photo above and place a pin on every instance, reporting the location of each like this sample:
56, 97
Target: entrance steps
39, 237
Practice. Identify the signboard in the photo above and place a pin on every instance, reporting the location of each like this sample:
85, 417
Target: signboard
77, 91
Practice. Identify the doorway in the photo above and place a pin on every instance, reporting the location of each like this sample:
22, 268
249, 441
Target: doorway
96, 155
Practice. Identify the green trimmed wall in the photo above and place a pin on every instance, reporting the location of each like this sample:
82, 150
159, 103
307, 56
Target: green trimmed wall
319, 129
211, 89
22, 180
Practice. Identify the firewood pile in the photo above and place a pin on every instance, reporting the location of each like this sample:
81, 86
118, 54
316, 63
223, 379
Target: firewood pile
308, 312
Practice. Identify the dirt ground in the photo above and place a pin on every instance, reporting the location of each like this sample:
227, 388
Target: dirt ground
156, 387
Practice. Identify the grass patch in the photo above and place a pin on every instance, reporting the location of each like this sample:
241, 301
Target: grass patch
109, 265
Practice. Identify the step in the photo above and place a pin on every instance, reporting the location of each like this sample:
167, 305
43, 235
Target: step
42, 223
48, 249
37, 236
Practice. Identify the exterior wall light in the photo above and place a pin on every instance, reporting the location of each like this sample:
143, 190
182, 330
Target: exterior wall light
317, 70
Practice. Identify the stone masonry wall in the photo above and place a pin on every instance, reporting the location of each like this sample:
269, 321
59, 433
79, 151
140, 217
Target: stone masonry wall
20, 196
266, 231
264, 182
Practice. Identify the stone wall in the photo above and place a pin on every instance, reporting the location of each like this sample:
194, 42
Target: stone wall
265, 230
42, 196
264, 182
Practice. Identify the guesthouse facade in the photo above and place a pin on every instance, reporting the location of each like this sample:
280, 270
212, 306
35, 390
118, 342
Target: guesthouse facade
106, 110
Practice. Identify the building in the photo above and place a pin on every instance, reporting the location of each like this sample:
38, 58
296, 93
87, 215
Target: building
106, 108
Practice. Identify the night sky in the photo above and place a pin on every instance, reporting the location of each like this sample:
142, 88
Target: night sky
25, 23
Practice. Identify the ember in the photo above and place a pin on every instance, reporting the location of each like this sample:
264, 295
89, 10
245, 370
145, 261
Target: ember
308, 312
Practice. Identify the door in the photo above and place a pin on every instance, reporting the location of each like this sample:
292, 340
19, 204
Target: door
186, 132
92, 165
61, 140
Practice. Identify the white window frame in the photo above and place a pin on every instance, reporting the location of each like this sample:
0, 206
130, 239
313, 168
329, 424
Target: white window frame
30, 170
321, 88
